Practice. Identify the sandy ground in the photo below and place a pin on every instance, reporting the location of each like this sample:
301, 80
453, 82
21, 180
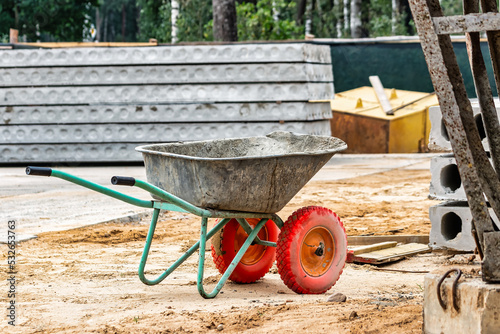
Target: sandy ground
85, 280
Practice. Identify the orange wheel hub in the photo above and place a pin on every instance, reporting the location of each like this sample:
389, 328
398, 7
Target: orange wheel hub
254, 252
317, 251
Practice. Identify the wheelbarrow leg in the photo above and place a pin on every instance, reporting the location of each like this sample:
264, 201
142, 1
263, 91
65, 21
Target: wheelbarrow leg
231, 267
177, 263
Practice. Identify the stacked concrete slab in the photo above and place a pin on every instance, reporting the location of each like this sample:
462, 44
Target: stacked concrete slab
451, 220
98, 104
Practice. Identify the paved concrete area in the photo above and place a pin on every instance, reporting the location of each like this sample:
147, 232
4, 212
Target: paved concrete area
42, 204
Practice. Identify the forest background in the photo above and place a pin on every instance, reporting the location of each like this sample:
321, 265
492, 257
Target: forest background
176, 21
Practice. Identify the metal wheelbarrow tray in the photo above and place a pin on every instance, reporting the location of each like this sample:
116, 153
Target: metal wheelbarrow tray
256, 174
243, 182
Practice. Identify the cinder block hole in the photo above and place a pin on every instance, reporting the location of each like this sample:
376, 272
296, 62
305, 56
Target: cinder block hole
451, 225
480, 126
450, 178
444, 132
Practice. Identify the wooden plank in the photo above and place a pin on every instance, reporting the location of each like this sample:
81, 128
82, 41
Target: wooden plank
372, 239
401, 250
13, 36
381, 96
389, 254
371, 248
89, 44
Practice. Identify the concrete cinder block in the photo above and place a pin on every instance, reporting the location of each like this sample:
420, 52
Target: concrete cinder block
479, 307
210, 93
446, 183
164, 74
161, 113
175, 54
451, 226
438, 136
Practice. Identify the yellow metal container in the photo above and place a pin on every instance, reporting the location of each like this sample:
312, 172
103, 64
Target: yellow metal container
359, 120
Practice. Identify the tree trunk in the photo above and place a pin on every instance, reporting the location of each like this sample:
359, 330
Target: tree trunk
124, 22
395, 16
98, 21
174, 15
338, 23
225, 26
308, 24
276, 14
405, 8
16, 16
301, 10
346, 17
356, 31
105, 36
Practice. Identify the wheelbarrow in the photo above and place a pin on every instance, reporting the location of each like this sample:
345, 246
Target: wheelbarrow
242, 182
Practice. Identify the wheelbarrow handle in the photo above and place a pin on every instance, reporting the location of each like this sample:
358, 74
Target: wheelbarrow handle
123, 181
42, 171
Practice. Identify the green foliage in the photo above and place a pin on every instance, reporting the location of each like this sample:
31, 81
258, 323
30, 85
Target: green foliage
154, 20
66, 20
324, 18
379, 19
50, 20
451, 7
194, 23
193, 20
7, 20
256, 22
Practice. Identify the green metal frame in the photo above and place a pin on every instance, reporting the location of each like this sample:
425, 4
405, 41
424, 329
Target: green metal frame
170, 202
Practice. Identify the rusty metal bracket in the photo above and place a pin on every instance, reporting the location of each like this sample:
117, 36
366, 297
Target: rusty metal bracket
453, 289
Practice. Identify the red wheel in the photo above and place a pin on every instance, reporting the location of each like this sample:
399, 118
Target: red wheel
312, 249
256, 261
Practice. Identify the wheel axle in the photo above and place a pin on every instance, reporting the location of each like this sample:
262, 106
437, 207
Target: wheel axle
320, 250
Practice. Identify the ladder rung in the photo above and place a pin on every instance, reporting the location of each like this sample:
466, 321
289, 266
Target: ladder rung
446, 25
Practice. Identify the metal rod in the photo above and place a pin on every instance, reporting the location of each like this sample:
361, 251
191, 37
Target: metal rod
188, 207
101, 189
248, 229
172, 199
232, 265
179, 261
168, 207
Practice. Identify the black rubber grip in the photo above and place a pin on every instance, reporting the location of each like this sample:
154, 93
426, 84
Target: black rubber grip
122, 181
42, 171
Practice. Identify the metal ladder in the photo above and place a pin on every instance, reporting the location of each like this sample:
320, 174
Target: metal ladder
481, 181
